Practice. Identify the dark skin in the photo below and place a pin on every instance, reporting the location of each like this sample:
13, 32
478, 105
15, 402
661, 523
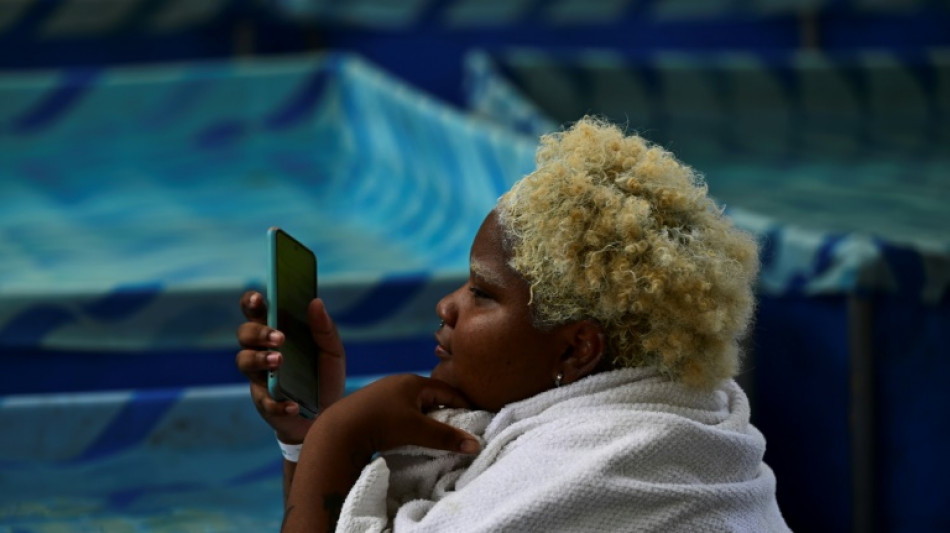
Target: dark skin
260, 354
489, 354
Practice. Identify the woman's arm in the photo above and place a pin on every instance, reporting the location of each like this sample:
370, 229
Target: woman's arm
289, 468
381, 416
329, 466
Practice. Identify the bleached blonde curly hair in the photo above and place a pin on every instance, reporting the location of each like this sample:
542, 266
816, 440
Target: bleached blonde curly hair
614, 229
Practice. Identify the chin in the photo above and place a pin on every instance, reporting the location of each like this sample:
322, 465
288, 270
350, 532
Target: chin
440, 374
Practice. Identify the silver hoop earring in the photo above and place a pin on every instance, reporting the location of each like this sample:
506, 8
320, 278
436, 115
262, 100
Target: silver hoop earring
441, 324
558, 379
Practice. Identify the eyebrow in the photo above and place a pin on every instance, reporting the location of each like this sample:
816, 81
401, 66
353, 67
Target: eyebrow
486, 273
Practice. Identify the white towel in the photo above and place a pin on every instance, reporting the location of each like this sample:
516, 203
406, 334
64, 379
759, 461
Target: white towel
618, 451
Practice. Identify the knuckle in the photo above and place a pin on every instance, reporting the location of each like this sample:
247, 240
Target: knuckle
243, 333
243, 359
267, 404
450, 440
252, 334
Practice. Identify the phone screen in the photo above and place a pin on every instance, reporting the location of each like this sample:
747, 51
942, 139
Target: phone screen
293, 284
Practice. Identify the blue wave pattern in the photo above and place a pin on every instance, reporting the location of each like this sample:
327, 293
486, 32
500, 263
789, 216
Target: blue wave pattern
136, 204
155, 460
136, 201
140, 460
837, 163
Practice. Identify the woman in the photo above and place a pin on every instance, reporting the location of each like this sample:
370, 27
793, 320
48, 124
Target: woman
584, 370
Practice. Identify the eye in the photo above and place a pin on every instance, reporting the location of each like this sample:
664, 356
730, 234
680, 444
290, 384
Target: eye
477, 292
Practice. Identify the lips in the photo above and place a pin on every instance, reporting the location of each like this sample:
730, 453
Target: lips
440, 350
441, 370
442, 353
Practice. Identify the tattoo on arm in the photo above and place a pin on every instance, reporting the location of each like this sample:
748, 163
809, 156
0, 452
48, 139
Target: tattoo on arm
333, 504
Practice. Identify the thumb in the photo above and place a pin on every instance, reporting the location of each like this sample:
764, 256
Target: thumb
324, 330
440, 436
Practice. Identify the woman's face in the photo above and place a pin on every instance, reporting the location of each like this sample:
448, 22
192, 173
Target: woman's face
488, 348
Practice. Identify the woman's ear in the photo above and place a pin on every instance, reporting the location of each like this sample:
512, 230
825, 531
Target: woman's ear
587, 345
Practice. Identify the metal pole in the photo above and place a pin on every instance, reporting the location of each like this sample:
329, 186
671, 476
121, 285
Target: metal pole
860, 324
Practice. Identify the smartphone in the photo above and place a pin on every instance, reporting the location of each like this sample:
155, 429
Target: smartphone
291, 285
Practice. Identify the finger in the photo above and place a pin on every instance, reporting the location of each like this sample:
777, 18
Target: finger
324, 331
255, 335
431, 433
255, 363
438, 394
272, 407
265, 403
254, 307
332, 357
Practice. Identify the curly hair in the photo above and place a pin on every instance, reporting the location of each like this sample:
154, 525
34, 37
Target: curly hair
614, 229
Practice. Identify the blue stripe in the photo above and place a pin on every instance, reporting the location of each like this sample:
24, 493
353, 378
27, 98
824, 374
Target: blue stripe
270, 470
300, 106
438, 153
95, 370
75, 84
124, 301
85, 371
222, 134
30, 327
824, 257
133, 423
383, 301
353, 119
906, 265
373, 358
121, 499
496, 173
768, 245
823, 260
185, 98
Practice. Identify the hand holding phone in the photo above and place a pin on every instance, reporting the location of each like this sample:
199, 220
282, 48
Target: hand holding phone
291, 285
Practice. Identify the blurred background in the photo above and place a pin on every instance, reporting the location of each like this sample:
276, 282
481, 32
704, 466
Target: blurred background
147, 145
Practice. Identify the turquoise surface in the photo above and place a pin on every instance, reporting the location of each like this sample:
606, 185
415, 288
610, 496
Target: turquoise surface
135, 206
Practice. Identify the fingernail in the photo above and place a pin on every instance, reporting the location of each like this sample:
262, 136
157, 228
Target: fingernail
469, 446
272, 358
273, 337
255, 299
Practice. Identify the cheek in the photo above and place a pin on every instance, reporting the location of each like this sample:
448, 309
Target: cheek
480, 331
485, 349
495, 346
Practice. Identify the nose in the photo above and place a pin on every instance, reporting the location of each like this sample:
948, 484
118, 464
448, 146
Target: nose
447, 308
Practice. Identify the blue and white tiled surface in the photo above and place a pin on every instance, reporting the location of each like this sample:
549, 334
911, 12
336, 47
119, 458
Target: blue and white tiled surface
135, 197
135, 204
